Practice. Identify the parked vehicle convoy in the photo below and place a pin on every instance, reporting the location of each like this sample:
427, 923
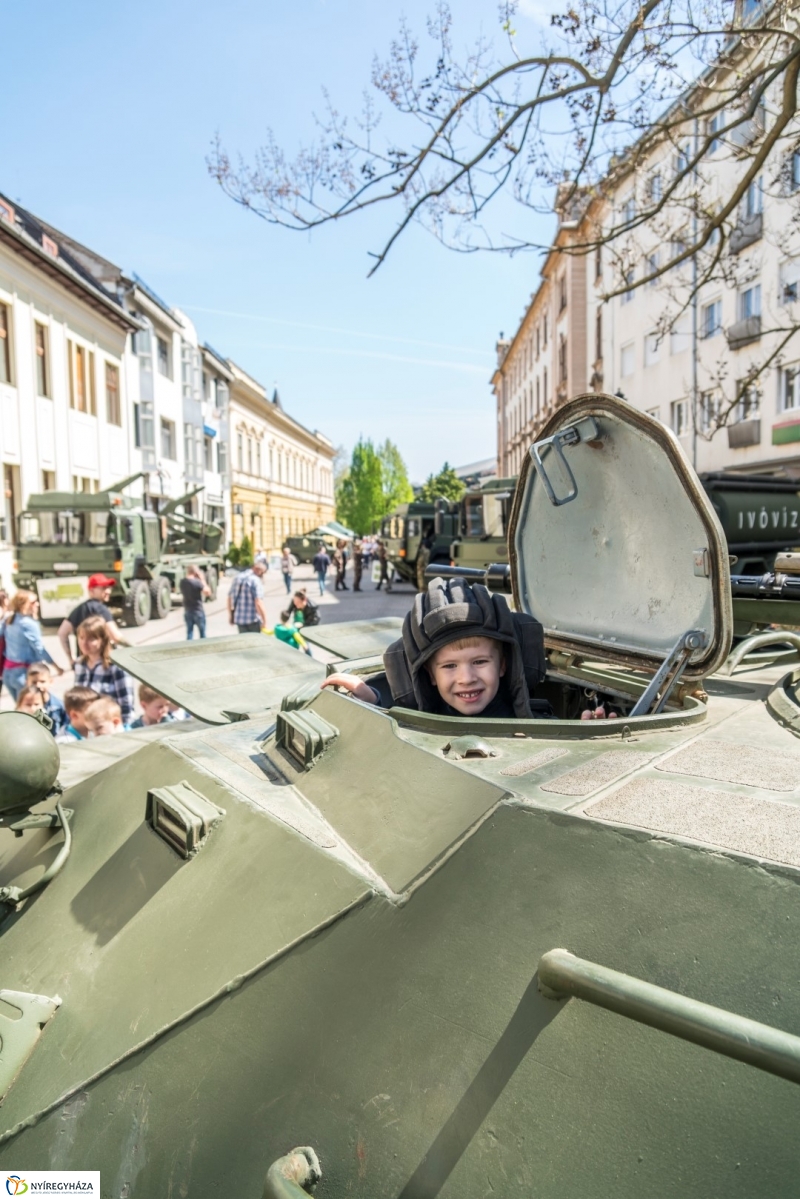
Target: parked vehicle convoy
424, 955
65, 537
417, 534
483, 524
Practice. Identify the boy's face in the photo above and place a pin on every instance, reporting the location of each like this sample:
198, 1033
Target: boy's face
101, 726
38, 678
155, 710
468, 678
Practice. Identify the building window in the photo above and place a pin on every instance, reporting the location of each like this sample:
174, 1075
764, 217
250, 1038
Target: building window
42, 364
137, 426
628, 210
677, 250
627, 296
750, 302
258, 459
222, 457
8, 503
711, 319
790, 281
680, 417
163, 357
652, 348
598, 272
627, 359
113, 406
683, 157
544, 330
562, 360
5, 345
48, 480
240, 451
713, 126
753, 202
562, 293
544, 387
709, 410
208, 452
656, 188
598, 336
790, 388
655, 413
749, 404
80, 364
188, 447
249, 455
794, 171
652, 268
168, 439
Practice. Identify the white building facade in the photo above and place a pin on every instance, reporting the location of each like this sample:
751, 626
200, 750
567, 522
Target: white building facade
65, 419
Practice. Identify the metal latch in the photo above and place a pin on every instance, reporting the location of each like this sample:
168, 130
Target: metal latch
584, 430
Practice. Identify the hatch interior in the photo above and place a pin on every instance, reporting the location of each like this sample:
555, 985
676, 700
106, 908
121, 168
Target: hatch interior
614, 545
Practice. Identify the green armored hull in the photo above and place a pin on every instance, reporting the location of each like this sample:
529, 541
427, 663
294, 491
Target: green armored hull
320, 923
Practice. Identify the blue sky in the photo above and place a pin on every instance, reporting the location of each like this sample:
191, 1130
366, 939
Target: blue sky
112, 109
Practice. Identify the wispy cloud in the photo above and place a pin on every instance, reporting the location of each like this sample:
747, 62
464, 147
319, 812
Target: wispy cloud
470, 367
275, 320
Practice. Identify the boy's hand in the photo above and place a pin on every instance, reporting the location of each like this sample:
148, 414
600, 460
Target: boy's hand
352, 683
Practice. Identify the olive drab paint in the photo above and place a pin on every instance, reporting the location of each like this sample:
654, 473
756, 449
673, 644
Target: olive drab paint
342, 975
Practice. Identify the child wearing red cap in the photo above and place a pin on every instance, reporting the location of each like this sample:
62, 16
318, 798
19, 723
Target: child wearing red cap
100, 587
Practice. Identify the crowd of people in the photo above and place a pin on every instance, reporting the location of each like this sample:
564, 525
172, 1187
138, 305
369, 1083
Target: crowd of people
362, 552
101, 700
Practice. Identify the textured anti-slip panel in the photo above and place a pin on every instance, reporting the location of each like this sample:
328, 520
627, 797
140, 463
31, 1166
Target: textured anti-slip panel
764, 828
600, 771
754, 765
534, 762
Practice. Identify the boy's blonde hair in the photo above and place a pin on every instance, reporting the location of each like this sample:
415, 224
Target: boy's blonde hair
105, 707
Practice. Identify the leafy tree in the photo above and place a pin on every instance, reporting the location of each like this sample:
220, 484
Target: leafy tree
245, 552
395, 485
360, 498
446, 483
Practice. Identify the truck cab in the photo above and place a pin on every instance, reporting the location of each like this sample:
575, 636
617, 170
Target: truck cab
483, 525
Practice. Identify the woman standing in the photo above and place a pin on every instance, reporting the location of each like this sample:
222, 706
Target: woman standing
23, 643
287, 565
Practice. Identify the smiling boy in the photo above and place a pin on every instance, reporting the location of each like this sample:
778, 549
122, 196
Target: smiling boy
463, 653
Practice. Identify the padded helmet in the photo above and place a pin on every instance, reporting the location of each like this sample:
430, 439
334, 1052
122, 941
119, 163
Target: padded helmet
448, 611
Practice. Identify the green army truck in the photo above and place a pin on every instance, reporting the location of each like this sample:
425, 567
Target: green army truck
418, 534
63, 538
483, 521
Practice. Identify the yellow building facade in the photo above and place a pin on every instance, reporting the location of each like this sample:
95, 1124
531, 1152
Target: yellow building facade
281, 472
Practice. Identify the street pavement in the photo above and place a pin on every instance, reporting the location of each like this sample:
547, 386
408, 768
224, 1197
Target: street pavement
335, 606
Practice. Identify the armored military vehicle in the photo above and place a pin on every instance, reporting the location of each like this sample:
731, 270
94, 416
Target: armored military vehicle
418, 534
421, 955
65, 537
483, 525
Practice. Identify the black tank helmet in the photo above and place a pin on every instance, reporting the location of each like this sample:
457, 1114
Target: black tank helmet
448, 611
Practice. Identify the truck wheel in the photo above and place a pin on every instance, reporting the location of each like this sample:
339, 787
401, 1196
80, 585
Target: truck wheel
140, 603
212, 579
161, 593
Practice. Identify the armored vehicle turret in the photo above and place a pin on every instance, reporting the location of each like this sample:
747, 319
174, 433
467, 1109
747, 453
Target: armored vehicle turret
425, 956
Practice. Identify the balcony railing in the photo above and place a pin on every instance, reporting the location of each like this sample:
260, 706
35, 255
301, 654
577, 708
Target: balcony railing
743, 332
744, 433
748, 230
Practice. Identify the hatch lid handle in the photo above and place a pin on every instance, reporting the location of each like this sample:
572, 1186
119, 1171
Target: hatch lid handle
584, 430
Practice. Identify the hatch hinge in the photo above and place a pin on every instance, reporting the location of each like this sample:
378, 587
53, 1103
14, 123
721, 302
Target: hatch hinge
654, 698
583, 430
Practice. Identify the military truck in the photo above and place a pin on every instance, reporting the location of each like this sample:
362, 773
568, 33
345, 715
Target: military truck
483, 521
65, 537
304, 546
404, 530
545, 957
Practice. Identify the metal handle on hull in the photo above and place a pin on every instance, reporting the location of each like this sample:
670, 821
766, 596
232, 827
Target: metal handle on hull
561, 975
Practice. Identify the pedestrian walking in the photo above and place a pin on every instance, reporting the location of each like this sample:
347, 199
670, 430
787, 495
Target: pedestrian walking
193, 589
288, 563
22, 641
340, 565
246, 597
358, 564
383, 558
321, 563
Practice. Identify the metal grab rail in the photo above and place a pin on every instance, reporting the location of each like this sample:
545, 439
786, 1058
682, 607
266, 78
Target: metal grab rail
758, 641
293, 1176
561, 975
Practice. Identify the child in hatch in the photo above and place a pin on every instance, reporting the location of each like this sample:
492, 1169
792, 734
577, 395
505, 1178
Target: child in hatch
463, 653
